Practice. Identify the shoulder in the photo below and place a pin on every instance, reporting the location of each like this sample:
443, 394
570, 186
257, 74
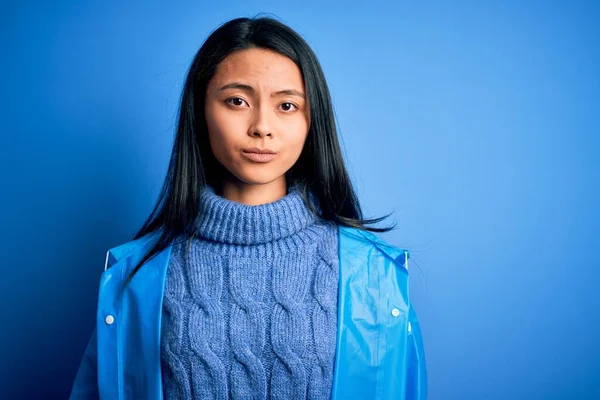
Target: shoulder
365, 242
131, 248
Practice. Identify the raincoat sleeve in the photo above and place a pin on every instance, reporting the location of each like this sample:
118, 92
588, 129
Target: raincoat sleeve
86, 380
416, 384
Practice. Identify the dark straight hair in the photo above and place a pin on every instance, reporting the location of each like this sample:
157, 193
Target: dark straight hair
319, 174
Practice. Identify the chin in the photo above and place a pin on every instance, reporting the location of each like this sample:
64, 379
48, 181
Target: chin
257, 178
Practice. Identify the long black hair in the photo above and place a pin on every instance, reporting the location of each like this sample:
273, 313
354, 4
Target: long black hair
319, 174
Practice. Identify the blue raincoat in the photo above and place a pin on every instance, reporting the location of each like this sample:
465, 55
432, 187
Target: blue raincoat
379, 351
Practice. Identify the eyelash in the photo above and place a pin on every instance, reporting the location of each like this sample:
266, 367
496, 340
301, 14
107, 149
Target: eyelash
234, 98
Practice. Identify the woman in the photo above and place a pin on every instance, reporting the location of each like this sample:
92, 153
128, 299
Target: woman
255, 276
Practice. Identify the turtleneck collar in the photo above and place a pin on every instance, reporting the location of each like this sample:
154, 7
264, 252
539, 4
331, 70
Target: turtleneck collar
227, 221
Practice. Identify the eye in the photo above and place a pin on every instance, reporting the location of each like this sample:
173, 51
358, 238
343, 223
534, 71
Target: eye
236, 101
288, 106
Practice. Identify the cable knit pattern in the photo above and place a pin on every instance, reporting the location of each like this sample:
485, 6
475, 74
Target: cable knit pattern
176, 380
247, 330
250, 305
206, 286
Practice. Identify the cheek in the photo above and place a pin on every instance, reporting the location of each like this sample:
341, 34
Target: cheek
221, 133
296, 142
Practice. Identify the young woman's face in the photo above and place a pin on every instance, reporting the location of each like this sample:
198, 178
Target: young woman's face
256, 102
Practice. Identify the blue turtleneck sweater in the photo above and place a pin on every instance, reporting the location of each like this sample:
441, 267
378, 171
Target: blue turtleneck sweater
250, 304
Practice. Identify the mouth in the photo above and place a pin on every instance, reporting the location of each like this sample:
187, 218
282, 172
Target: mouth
259, 151
259, 155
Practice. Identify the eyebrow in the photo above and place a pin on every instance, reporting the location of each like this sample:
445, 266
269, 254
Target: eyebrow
248, 88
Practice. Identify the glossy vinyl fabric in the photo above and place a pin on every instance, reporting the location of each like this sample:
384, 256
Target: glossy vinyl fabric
379, 352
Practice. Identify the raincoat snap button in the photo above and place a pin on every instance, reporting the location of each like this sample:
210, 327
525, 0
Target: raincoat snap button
395, 312
109, 319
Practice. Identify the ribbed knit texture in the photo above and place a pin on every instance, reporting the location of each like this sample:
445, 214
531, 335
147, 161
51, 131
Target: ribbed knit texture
250, 304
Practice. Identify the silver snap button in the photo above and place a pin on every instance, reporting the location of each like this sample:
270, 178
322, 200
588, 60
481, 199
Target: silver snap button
109, 319
395, 312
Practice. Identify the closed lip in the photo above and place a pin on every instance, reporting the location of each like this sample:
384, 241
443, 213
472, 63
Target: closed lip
258, 151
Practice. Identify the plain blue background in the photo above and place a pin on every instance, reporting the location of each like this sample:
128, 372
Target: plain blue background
476, 123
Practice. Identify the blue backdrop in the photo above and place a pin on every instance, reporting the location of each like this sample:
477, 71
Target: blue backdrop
476, 123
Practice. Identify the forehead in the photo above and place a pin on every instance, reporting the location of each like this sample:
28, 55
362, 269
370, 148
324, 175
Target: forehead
259, 67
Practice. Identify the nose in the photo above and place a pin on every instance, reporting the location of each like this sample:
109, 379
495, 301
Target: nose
261, 125
260, 134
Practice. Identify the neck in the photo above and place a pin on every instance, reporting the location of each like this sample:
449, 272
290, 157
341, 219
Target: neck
227, 221
254, 194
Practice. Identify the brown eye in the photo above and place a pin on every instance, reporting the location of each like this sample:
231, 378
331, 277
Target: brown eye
288, 106
236, 101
